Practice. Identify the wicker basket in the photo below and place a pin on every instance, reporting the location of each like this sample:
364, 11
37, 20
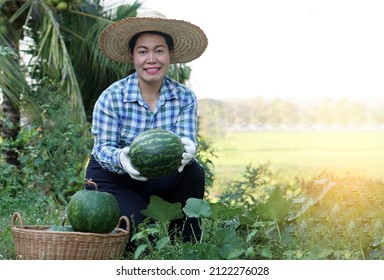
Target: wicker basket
36, 242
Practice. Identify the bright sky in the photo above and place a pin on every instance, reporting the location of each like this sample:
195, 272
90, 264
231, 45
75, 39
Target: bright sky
285, 48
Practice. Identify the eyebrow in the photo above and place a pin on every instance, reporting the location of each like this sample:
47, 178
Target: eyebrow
157, 46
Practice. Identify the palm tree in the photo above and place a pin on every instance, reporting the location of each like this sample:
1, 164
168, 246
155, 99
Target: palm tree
62, 47
12, 81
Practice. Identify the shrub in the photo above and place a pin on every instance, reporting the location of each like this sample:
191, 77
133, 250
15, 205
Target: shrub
54, 148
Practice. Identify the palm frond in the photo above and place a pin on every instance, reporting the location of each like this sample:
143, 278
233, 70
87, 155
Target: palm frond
66, 49
55, 61
13, 83
22, 10
100, 71
123, 11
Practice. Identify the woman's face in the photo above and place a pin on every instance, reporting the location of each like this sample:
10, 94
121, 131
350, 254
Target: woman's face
151, 57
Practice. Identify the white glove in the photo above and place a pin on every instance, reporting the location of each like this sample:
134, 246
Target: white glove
125, 162
189, 154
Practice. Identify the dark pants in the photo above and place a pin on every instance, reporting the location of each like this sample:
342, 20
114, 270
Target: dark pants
133, 195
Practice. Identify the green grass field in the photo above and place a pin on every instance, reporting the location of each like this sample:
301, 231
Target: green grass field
300, 154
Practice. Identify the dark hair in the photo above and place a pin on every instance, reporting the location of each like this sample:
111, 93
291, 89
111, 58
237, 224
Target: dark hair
168, 40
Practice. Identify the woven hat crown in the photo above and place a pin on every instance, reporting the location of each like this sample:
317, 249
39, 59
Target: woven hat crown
151, 14
189, 40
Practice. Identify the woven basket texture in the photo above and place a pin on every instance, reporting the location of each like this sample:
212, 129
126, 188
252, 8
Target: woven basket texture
37, 243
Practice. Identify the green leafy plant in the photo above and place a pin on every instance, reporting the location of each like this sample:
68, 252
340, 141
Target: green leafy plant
53, 150
155, 237
218, 241
325, 219
243, 193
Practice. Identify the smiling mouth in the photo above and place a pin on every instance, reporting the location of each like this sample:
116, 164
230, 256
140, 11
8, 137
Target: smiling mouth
152, 69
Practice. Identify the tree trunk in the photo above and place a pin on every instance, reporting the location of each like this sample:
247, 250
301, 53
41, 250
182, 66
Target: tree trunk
10, 129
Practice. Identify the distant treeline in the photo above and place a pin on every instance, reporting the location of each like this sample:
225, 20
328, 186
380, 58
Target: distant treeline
259, 113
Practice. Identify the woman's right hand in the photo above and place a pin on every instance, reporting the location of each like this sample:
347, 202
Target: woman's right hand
125, 163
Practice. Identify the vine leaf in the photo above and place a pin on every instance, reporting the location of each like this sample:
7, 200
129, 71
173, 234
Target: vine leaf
276, 208
228, 244
163, 211
197, 208
221, 211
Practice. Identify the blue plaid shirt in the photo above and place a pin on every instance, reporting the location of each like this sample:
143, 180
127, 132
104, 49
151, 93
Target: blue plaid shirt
120, 114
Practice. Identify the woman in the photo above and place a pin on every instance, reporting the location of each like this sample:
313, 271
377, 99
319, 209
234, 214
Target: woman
144, 100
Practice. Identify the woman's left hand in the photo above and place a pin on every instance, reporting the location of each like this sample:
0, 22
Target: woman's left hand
189, 152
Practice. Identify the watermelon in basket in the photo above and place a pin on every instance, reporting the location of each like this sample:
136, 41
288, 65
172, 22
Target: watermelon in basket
44, 242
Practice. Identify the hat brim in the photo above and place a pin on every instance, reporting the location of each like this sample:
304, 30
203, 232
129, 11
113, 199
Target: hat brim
189, 40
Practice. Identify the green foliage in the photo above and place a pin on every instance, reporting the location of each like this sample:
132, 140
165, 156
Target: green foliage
14, 196
162, 211
204, 157
52, 150
155, 239
325, 220
32, 204
276, 208
179, 72
241, 193
197, 208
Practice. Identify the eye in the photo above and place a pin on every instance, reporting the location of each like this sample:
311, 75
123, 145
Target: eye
160, 50
141, 51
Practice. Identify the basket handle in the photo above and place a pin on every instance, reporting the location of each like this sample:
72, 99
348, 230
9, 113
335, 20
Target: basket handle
17, 216
125, 219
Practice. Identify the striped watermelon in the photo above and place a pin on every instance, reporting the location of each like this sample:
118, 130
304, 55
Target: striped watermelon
156, 152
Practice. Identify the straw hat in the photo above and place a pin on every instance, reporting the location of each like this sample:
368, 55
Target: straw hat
188, 39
